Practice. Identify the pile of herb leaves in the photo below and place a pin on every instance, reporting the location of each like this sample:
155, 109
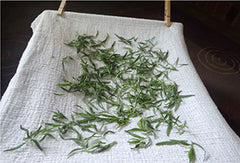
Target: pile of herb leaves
117, 87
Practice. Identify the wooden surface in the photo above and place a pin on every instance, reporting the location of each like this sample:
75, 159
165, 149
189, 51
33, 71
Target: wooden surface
167, 12
223, 16
61, 7
215, 57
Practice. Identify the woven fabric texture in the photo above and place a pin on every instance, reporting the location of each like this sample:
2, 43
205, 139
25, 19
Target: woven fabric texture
29, 98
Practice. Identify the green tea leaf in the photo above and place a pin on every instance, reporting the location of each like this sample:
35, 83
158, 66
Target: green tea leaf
174, 142
37, 144
106, 147
169, 128
74, 150
134, 135
14, 148
191, 154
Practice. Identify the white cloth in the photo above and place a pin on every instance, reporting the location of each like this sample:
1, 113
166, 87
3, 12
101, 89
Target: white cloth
29, 98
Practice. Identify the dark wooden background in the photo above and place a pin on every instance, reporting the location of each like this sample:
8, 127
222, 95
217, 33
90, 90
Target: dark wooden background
211, 37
